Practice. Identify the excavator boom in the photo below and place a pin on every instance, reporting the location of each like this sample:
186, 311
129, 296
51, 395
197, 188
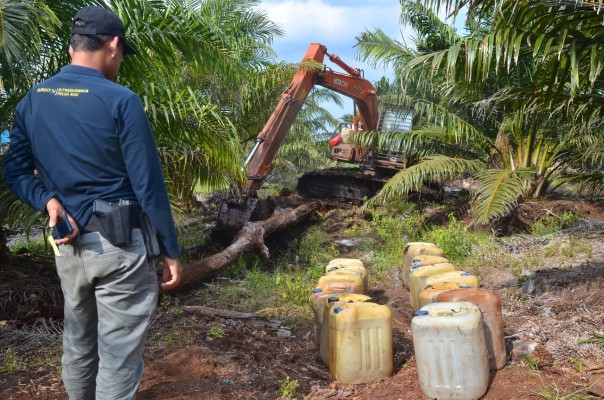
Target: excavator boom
350, 84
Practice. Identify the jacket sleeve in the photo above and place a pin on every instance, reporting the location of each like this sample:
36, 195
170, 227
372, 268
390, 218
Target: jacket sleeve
19, 165
145, 172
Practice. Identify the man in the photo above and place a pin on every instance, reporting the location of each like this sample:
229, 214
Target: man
89, 139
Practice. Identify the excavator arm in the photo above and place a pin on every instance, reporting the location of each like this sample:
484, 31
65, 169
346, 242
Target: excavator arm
350, 84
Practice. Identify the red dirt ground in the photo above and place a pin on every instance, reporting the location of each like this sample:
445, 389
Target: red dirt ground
183, 362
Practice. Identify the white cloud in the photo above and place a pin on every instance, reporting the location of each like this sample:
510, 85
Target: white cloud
333, 23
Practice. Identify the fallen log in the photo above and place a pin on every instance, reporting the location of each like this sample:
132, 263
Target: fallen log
255, 320
249, 239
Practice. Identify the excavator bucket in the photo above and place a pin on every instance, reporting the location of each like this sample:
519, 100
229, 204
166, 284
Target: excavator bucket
234, 212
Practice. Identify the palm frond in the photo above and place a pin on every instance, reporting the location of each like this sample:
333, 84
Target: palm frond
428, 170
590, 184
379, 50
17, 215
497, 193
435, 34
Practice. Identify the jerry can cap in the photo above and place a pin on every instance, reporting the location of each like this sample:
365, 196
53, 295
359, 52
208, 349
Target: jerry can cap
466, 274
317, 290
338, 310
332, 299
420, 313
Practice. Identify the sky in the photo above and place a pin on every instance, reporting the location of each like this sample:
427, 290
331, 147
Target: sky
335, 24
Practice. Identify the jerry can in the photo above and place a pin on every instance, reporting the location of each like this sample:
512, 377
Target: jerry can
360, 342
489, 303
462, 277
343, 261
319, 296
430, 293
420, 261
450, 351
352, 269
352, 279
418, 276
413, 249
335, 301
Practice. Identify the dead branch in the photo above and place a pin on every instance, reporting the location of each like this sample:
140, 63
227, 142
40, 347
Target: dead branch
220, 313
255, 320
249, 239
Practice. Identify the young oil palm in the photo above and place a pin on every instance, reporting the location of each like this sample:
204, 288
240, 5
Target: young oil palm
519, 148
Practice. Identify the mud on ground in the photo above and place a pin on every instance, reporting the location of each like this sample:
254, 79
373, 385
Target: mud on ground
553, 307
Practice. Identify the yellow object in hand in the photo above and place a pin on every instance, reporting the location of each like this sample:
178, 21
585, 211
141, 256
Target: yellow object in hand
51, 240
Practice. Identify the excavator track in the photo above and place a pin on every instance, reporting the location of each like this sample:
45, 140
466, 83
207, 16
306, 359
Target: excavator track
342, 185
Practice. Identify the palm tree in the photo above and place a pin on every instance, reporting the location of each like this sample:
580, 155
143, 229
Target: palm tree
514, 131
217, 47
195, 54
28, 55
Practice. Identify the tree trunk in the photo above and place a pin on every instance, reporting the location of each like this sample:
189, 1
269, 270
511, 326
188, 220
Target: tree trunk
3, 247
249, 239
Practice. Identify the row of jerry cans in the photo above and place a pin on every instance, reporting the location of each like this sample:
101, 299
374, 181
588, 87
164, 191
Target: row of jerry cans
353, 334
457, 328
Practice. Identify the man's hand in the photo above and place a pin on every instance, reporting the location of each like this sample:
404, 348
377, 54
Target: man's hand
55, 212
172, 273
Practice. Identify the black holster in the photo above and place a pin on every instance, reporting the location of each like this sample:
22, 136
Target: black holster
116, 220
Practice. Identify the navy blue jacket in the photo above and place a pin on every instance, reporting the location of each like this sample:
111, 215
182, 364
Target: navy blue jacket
89, 138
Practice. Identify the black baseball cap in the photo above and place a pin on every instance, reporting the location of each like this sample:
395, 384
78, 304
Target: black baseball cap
98, 21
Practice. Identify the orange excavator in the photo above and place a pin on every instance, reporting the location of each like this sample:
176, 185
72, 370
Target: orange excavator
344, 184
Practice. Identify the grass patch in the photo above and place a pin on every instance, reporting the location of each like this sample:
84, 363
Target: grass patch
455, 239
315, 250
567, 249
392, 229
39, 246
170, 340
287, 388
11, 362
597, 338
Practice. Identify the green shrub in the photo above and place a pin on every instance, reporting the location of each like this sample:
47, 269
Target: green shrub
549, 224
455, 239
395, 226
216, 333
287, 388
39, 246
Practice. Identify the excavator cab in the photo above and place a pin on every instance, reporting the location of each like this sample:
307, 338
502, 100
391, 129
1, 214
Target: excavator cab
342, 149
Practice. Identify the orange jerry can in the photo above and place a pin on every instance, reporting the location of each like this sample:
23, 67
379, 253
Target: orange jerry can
489, 303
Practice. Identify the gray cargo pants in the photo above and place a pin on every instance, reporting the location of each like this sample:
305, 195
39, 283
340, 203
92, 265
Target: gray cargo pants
110, 296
